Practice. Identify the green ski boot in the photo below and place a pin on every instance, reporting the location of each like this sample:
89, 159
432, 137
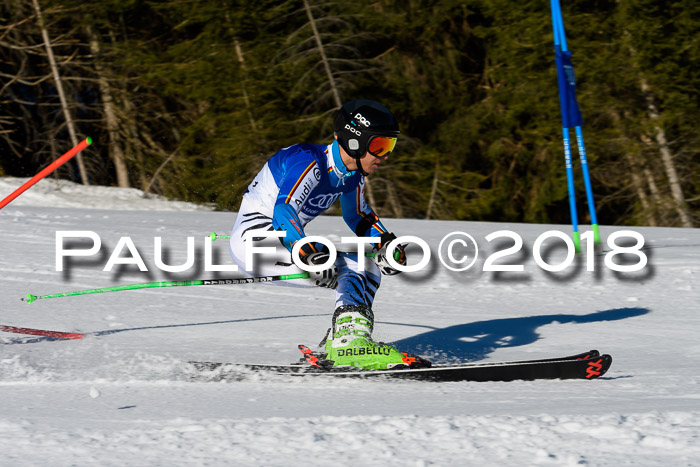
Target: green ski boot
349, 343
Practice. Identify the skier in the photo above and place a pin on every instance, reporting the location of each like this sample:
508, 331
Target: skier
296, 185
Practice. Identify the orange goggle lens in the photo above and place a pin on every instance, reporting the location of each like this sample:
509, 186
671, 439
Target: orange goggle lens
381, 146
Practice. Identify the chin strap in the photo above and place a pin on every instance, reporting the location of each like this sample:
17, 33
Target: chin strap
360, 169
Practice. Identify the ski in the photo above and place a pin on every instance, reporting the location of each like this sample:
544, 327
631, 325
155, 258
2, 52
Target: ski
42, 332
586, 365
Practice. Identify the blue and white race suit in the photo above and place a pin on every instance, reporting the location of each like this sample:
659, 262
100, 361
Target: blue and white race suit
296, 185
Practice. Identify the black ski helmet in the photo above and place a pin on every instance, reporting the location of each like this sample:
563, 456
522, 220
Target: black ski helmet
358, 121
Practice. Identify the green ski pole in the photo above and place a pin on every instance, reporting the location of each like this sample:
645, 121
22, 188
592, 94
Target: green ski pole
150, 285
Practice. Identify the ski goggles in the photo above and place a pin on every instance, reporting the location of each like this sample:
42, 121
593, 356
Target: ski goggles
381, 146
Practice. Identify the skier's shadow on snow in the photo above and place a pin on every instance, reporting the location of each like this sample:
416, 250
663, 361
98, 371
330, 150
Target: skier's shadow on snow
474, 341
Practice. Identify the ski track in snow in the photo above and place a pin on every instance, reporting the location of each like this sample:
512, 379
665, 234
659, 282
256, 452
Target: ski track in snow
125, 394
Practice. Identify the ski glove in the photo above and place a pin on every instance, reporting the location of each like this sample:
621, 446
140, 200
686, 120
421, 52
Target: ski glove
327, 277
380, 251
314, 254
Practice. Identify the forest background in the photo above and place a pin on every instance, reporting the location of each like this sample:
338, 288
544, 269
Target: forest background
189, 98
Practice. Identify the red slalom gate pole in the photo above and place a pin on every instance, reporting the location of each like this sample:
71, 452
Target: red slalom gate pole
50, 168
40, 332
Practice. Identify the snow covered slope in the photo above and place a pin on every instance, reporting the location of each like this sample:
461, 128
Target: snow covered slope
123, 395
63, 193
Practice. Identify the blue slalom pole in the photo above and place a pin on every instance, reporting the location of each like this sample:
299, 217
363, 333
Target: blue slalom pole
558, 25
560, 37
570, 182
587, 183
571, 117
560, 48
